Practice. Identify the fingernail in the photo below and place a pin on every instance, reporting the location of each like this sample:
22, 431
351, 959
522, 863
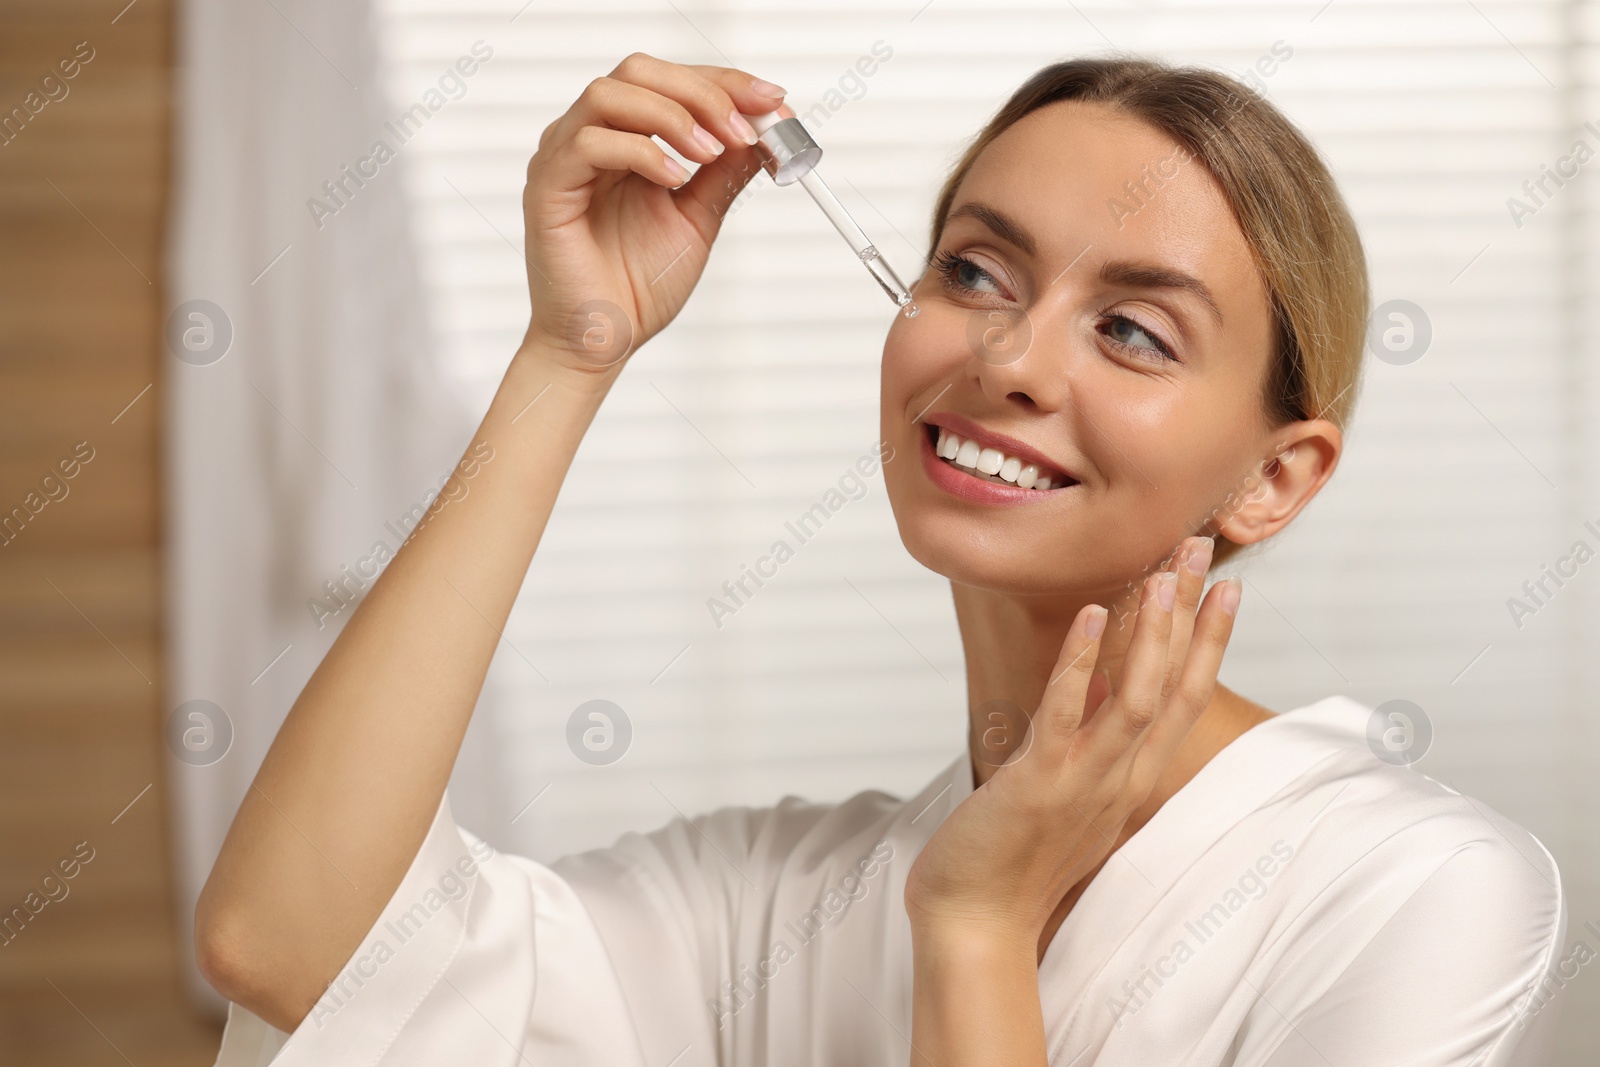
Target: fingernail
677, 170
766, 88
742, 128
704, 139
1095, 624
1232, 589
1200, 556
1167, 590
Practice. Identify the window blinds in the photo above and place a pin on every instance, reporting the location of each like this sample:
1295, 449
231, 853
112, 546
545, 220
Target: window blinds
1467, 470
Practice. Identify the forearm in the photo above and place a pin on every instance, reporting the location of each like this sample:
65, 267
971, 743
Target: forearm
975, 1000
348, 790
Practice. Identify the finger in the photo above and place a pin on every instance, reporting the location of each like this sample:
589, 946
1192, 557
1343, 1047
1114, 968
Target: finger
624, 106
1138, 695
1194, 557
1099, 693
1061, 708
718, 184
594, 150
750, 94
1198, 681
712, 98
719, 98
714, 95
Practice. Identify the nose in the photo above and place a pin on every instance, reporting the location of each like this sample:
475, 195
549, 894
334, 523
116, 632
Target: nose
1011, 360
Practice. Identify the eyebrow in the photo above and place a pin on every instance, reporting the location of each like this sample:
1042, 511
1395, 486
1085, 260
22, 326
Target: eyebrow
1004, 226
1149, 276
1139, 275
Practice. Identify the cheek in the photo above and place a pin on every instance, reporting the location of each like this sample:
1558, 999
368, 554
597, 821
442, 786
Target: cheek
932, 340
1146, 438
920, 357
1166, 459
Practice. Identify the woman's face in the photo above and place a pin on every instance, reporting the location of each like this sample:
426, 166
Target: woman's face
1119, 332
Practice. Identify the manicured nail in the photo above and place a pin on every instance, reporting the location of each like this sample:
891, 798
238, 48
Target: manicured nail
677, 170
766, 88
703, 138
1200, 556
1232, 589
1167, 590
1095, 624
741, 128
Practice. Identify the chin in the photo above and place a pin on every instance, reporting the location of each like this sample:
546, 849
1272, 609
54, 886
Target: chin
1063, 548
969, 544
946, 549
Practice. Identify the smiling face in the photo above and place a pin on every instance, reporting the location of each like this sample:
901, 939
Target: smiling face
1124, 353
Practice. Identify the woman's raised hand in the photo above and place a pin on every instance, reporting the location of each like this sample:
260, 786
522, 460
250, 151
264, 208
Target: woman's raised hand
615, 239
1004, 859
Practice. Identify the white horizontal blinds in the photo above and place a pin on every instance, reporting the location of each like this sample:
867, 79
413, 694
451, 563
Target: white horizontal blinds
1462, 477
844, 671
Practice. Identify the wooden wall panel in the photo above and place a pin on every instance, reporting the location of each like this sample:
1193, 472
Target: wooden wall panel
93, 977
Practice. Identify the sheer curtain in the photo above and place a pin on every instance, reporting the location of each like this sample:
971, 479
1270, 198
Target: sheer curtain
301, 421
1468, 470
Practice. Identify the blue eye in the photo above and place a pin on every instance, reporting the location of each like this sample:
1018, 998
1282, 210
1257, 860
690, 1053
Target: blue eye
1131, 337
961, 274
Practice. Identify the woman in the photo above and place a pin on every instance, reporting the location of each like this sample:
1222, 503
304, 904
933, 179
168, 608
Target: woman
1136, 350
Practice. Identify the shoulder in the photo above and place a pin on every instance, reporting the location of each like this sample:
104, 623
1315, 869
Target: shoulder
705, 889
1427, 847
734, 849
1404, 921
1362, 794
1396, 865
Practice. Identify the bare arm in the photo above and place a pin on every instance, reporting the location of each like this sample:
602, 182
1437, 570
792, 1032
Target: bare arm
345, 796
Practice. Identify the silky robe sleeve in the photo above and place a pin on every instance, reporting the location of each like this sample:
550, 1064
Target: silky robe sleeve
1465, 972
478, 957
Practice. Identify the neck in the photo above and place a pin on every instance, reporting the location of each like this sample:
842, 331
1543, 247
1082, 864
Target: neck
1011, 645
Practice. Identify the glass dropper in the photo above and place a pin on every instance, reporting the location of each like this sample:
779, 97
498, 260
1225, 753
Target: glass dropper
790, 155
864, 249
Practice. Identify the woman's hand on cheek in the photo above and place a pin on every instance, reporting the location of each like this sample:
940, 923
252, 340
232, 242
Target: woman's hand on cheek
1001, 863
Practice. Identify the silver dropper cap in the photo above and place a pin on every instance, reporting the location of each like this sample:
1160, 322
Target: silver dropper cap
787, 150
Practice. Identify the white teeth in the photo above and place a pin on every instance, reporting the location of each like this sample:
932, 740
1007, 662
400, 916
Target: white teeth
991, 461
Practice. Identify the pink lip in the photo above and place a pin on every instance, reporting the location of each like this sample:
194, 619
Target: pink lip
957, 482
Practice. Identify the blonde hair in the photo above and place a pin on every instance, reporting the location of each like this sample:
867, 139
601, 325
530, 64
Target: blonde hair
1284, 199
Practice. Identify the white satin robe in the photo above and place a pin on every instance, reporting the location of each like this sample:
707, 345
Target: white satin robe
1299, 902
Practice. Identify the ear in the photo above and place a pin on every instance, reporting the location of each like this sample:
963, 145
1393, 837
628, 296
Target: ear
1302, 458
